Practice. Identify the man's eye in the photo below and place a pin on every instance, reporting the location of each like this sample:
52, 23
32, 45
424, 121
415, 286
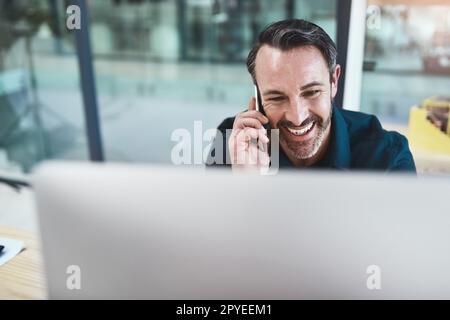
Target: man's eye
311, 93
275, 99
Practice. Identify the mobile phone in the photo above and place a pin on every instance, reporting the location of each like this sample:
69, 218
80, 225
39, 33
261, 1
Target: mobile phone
260, 108
259, 105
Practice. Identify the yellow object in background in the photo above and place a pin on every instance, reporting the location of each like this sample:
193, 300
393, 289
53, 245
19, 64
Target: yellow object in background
423, 135
438, 102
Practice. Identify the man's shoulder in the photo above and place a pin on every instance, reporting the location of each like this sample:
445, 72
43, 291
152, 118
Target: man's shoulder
362, 125
226, 124
369, 140
366, 127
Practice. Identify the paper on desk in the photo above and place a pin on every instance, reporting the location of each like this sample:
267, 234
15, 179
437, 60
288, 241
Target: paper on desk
12, 248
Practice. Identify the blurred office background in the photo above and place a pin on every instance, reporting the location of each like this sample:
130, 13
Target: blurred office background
163, 64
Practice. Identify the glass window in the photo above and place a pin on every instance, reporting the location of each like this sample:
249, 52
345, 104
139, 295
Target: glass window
406, 76
406, 59
159, 65
162, 65
41, 111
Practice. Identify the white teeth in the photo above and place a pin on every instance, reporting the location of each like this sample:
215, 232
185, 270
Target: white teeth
303, 131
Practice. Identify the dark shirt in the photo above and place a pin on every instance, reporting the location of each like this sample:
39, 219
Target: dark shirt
357, 142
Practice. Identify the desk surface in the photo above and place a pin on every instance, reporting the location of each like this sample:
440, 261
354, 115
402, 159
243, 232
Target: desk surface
23, 276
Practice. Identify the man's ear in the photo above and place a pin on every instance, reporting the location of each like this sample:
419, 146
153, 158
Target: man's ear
335, 80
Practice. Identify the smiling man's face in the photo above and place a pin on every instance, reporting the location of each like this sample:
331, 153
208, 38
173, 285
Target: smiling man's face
297, 92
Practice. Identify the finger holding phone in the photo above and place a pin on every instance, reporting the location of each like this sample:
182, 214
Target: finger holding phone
248, 143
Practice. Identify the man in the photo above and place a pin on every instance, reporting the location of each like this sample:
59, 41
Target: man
294, 67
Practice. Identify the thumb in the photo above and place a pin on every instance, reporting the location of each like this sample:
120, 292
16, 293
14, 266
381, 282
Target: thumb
252, 104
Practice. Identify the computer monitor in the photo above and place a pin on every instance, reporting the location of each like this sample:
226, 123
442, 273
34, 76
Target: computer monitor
154, 232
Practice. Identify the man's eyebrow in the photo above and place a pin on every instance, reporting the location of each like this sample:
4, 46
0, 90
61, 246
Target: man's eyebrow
269, 92
306, 86
311, 84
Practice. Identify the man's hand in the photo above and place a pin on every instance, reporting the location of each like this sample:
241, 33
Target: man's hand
248, 143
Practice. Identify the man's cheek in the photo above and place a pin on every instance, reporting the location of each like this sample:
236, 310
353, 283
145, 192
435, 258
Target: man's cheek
323, 108
274, 120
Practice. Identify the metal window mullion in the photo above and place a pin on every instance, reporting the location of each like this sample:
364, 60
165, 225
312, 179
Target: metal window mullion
89, 93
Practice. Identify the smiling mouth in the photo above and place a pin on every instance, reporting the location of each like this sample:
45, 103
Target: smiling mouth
303, 130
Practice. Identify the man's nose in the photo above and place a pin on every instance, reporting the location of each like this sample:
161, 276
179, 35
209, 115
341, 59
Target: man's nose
297, 112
